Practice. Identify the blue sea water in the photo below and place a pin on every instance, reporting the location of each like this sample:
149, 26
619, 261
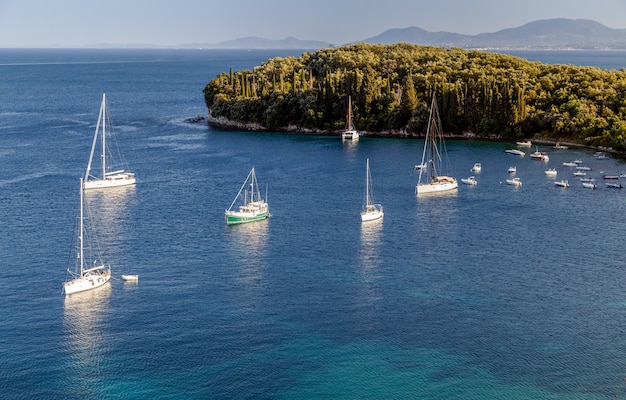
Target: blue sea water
491, 292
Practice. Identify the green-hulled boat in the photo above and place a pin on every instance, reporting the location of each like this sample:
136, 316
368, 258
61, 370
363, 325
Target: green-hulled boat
254, 207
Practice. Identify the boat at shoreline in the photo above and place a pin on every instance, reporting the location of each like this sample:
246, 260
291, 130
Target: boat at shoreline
108, 179
432, 179
254, 207
525, 143
349, 133
83, 278
371, 211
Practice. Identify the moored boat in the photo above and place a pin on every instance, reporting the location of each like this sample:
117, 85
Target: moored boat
562, 183
349, 133
130, 278
108, 178
589, 185
512, 170
477, 167
515, 152
525, 143
433, 178
371, 210
469, 180
514, 182
540, 155
254, 207
614, 185
551, 172
83, 278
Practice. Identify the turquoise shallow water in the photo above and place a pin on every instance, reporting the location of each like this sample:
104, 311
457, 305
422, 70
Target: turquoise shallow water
493, 292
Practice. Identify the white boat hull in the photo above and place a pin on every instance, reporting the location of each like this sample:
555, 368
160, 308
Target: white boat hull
436, 187
113, 181
86, 282
372, 214
350, 135
130, 278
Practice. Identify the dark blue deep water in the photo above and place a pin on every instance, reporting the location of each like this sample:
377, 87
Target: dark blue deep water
490, 293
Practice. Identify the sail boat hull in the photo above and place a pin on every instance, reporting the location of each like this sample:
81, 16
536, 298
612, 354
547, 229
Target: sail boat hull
373, 213
438, 186
118, 179
87, 281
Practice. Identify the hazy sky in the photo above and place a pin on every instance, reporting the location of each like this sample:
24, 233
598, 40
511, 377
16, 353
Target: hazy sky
43, 23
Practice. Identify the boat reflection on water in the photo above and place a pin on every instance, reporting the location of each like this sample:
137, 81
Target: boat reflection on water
371, 236
85, 322
247, 243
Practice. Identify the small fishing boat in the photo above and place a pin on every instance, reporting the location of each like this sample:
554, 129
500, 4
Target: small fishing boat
130, 278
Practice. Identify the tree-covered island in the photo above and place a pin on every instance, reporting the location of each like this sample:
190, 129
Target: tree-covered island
488, 94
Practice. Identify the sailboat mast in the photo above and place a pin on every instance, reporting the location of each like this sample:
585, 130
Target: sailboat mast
81, 232
104, 134
367, 183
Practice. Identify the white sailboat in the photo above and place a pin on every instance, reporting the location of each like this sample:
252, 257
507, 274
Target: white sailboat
107, 178
349, 133
83, 278
371, 210
254, 207
431, 178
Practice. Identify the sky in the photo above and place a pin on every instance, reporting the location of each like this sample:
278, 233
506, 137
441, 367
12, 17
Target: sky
88, 23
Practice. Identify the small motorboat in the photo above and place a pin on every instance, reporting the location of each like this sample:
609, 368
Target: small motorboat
514, 182
477, 167
526, 143
469, 181
561, 183
512, 170
583, 168
515, 151
569, 164
551, 172
614, 185
580, 173
540, 155
611, 177
559, 146
130, 278
589, 185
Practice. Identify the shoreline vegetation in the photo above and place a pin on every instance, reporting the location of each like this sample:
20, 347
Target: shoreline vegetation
482, 95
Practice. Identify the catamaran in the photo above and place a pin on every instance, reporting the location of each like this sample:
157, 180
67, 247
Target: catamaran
254, 208
83, 278
107, 178
431, 178
371, 210
349, 133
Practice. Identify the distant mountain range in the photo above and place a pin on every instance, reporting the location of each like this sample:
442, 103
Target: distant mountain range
557, 33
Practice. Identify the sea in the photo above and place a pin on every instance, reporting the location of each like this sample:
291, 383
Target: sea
489, 292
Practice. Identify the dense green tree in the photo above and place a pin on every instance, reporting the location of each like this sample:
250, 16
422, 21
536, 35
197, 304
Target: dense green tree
493, 95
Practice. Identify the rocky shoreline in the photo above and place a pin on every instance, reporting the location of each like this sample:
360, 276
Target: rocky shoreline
226, 124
